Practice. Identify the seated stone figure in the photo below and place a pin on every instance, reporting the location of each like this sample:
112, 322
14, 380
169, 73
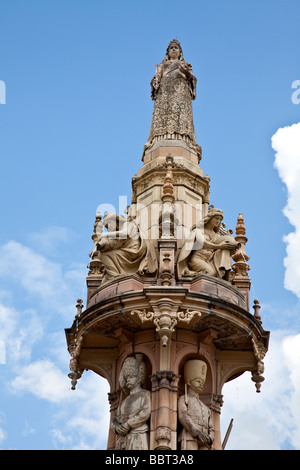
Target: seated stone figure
195, 417
208, 248
123, 249
130, 420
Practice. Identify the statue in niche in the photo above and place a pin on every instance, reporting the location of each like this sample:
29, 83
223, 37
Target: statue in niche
173, 88
208, 248
123, 249
195, 417
130, 421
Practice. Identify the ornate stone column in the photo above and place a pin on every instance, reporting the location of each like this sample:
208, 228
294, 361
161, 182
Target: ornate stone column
164, 411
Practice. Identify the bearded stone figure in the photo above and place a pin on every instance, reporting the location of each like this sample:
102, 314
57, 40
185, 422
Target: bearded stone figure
130, 421
173, 88
195, 417
208, 248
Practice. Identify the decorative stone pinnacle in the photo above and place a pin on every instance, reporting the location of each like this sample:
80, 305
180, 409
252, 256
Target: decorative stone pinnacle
168, 187
240, 227
79, 307
240, 257
256, 308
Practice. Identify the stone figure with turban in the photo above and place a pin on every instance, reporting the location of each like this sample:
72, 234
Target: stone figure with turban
195, 417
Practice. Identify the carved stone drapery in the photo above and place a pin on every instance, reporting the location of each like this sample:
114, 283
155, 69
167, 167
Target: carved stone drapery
195, 417
130, 422
208, 248
123, 249
173, 88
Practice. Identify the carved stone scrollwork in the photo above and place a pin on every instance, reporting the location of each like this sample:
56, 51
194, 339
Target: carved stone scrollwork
143, 315
166, 320
189, 316
259, 352
76, 372
163, 436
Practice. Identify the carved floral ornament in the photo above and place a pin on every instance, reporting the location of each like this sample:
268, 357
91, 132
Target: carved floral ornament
166, 322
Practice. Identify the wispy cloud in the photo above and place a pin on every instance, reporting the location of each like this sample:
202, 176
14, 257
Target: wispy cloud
269, 420
49, 283
3, 433
32, 329
80, 418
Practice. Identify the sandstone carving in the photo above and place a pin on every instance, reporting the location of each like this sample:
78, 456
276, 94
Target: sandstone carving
123, 249
167, 280
195, 417
173, 88
208, 248
130, 421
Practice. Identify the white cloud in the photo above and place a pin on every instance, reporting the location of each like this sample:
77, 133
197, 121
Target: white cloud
291, 350
87, 424
81, 417
43, 379
37, 295
268, 420
3, 433
18, 333
48, 282
286, 144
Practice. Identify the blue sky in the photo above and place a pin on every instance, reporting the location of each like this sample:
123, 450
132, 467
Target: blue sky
76, 117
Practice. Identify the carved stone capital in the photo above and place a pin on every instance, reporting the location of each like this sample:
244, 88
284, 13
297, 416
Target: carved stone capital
165, 379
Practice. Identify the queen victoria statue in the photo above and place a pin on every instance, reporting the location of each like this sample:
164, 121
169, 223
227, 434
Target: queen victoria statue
173, 88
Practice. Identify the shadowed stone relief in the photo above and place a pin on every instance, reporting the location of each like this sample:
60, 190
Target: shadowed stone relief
195, 417
208, 248
123, 249
130, 421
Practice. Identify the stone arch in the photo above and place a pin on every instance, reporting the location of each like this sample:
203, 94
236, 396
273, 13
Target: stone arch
208, 386
149, 350
228, 372
192, 351
146, 360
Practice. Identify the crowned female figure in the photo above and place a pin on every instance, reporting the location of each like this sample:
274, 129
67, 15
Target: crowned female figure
173, 88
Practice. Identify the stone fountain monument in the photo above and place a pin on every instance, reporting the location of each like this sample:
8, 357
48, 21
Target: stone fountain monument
167, 320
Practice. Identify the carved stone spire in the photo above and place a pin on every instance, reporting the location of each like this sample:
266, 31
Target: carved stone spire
241, 267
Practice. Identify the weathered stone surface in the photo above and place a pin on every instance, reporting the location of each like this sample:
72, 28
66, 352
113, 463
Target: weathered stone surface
162, 290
